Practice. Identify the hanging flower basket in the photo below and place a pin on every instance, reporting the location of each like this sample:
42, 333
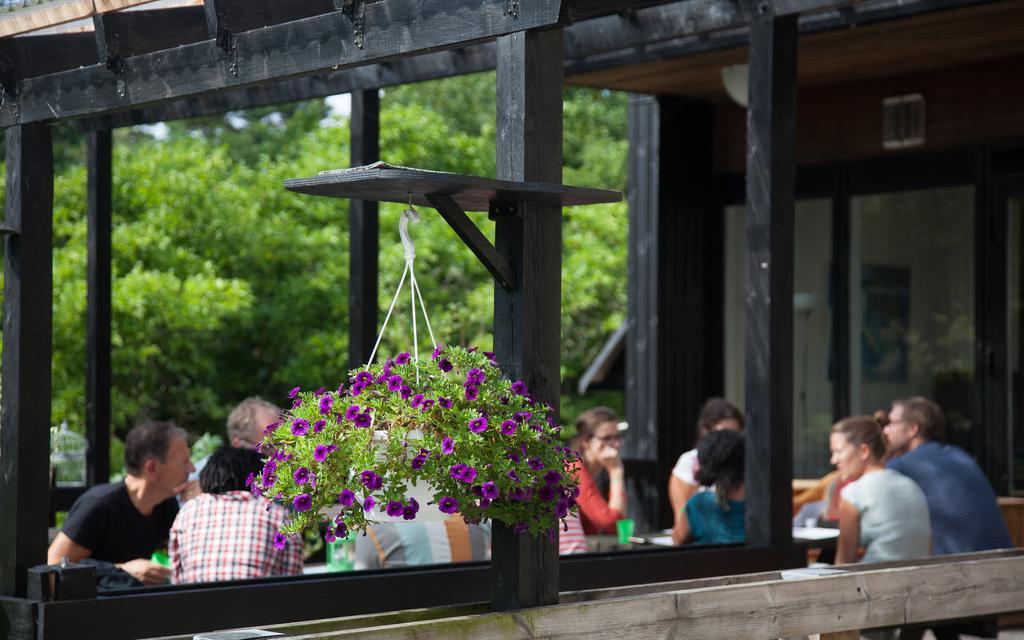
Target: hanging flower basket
481, 443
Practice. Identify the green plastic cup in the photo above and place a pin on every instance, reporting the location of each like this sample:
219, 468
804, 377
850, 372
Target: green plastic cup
624, 528
161, 558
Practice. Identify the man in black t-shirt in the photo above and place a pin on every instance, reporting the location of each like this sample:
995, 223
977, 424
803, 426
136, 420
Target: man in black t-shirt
125, 522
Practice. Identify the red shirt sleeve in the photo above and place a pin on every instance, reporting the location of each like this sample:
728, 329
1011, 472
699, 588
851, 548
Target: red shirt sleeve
595, 514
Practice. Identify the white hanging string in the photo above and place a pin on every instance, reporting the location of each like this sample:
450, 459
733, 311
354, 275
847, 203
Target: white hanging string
409, 215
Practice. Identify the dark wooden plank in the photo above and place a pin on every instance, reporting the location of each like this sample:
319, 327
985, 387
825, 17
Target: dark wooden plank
321, 43
36, 55
133, 33
387, 183
527, 320
675, 305
98, 306
27, 333
474, 239
771, 172
364, 233
153, 611
237, 16
17, 619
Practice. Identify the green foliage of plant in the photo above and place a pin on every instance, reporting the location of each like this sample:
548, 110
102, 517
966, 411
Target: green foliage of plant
226, 285
484, 448
205, 445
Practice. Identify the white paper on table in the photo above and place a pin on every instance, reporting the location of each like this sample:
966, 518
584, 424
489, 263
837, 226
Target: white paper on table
815, 533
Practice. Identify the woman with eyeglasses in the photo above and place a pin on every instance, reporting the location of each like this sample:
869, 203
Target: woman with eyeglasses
598, 441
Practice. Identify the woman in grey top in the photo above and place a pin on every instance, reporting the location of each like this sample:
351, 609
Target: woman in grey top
881, 511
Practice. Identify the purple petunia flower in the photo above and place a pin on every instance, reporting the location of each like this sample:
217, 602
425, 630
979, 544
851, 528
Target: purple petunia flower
346, 498
319, 425
519, 494
393, 508
364, 377
320, 452
444, 365
341, 389
562, 508
409, 512
552, 477
300, 427
523, 416
468, 474
417, 400
490, 490
329, 536
455, 471
446, 403
427, 405
508, 427
490, 356
484, 503
294, 392
546, 493
271, 428
472, 393
437, 351
303, 502
512, 475
326, 402
402, 358
520, 528
418, 462
341, 529
394, 383
513, 456
280, 540
352, 412
371, 480
357, 388
447, 446
519, 387
475, 376
363, 420
405, 392
301, 475
535, 464
478, 425
296, 403
448, 505
368, 503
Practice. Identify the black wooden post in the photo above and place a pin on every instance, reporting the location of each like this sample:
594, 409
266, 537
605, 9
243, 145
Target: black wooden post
674, 349
363, 232
27, 325
97, 323
527, 320
771, 174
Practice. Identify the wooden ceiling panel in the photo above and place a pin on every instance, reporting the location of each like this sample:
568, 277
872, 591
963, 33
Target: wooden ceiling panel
928, 41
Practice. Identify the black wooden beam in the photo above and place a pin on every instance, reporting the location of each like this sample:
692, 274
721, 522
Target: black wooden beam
237, 16
477, 242
98, 307
27, 334
122, 34
527, 320
675, 285
771, 176
364, 232
321, 43
35, 55
581, 56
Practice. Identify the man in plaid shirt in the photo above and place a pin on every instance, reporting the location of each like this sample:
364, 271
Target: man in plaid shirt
226, 533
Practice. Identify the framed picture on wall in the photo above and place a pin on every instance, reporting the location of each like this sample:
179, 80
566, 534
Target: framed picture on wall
885, 299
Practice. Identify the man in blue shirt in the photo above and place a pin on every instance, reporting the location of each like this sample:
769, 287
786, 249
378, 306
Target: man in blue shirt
964, 513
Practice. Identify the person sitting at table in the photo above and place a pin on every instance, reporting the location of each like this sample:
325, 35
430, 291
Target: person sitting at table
716, 516
403, 544
123, 523
226, 532
717, 414
880, 510
597, 442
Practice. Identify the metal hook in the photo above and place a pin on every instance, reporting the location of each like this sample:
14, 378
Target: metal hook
408, 215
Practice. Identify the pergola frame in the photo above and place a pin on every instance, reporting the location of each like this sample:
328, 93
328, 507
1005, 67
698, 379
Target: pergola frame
360, 46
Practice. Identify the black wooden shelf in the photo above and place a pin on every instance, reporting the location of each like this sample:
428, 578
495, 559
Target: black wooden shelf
387, 183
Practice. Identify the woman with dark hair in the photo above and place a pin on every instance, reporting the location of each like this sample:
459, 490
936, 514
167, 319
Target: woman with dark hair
716, 516
880, 510
597, 442
717, 414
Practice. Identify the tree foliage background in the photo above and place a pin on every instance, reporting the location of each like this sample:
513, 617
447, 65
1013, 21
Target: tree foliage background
225, 285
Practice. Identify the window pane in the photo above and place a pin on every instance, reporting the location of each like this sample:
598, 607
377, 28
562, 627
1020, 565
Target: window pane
912, 302
812, 386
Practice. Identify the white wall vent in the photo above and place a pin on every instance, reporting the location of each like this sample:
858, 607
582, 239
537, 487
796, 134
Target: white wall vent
903, 121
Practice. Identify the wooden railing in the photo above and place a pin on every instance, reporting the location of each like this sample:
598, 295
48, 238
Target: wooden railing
753, 606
